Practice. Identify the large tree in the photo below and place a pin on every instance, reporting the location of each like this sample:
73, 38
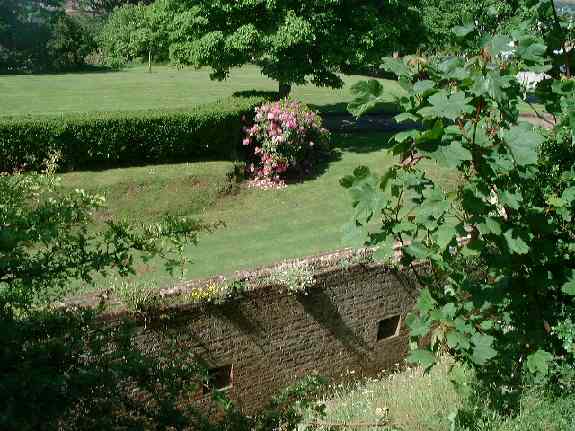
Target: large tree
294, 42
37, 36
134, 31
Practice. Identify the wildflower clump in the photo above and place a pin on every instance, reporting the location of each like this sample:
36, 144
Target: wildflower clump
287, 138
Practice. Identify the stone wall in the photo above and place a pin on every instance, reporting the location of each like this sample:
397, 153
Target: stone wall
351, 320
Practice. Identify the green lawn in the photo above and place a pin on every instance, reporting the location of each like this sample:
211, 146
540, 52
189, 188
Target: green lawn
135, 89
148, 192
261, 226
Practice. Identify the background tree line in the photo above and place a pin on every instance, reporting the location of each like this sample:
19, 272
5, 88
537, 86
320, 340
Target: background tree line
292, 42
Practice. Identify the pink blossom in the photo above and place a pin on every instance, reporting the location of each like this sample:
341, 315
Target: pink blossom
246, 141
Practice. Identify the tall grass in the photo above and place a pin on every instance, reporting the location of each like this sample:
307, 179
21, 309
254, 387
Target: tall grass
406, 400
411, 400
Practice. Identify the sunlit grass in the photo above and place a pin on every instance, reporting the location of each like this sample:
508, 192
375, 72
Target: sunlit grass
166, 87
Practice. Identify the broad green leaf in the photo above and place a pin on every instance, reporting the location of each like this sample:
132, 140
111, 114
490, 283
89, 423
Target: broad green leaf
568, 196
406, 116
538, 363
385, 250
418, 250
515, 243
492, 84
396, 66
490, 225
348, 181
510, 199
404, 227
425, 303
486, 325
422, 357
498, 44
531, 48
556, 201
404, 136
368, 197
523, 143
450, 155
453, 130
418, 327
569, 287
448, 311
361, 172
368, 95
474, 248
423, 87
447, 106
444, 236
354, 235
483, 349
456, 339
462, 31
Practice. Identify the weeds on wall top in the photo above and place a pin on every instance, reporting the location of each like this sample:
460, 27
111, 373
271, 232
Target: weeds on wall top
503, 300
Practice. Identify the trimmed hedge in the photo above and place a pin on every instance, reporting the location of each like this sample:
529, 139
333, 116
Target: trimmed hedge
212, 131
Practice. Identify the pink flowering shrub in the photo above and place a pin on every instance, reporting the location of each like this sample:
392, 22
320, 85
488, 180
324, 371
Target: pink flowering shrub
287, 138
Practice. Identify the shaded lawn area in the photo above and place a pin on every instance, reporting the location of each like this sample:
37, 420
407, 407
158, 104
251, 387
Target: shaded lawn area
166, 87
261, 226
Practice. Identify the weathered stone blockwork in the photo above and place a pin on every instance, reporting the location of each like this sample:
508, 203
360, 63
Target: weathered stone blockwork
271, 338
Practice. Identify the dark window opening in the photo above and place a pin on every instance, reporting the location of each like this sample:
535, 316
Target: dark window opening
388, 328
219, 378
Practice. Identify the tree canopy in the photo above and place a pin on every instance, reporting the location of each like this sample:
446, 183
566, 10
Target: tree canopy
293, 42
38, 36
134, 31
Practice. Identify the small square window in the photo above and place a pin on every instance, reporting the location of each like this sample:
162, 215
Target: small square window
388, 328
220, 378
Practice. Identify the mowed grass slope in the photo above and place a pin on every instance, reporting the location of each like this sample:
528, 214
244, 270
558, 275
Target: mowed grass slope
261, 226
146, 193
165, 88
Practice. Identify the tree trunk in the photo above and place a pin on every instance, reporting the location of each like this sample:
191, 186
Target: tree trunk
284, 90
149, 61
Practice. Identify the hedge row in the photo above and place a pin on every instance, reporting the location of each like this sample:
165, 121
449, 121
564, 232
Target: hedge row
211, 131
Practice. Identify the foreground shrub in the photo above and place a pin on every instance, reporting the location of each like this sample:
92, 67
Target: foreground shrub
499, 292
287, 137
211, 131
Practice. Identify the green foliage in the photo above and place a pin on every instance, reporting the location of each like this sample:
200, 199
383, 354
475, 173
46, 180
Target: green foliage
45, 243
500, 250
294, 43
106, 7
440, 17
133, 31
128, 138
36, 36
64, 369
70, 44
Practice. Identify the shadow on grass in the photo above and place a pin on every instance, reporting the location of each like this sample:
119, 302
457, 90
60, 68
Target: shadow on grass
362, 143
84, 70
341, 108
